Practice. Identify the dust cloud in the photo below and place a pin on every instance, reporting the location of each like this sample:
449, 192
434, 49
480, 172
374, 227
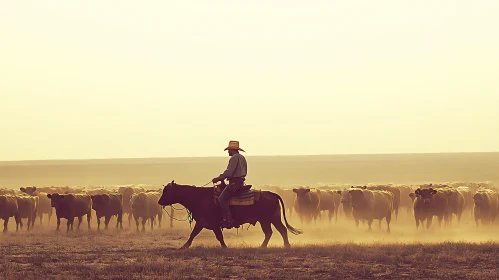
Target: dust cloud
285, 172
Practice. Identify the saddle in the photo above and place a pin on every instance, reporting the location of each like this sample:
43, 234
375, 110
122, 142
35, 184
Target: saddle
244, 197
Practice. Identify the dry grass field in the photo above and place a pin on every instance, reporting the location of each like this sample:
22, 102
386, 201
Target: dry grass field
154, 255
326, 250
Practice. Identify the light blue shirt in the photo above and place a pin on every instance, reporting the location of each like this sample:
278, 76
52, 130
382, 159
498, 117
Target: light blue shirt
237, 168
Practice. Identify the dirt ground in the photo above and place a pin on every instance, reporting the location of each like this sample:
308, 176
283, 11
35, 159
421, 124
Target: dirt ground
326, 250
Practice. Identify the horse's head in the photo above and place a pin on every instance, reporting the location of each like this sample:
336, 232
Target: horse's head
169, 195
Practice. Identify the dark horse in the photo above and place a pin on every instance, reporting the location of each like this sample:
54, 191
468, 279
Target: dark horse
199, 201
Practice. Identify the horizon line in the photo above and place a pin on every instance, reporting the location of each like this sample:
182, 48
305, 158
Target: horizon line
201, 157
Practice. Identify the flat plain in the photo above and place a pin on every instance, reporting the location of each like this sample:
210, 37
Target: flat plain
336, 250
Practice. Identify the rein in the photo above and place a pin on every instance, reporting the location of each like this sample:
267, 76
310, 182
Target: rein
206, 184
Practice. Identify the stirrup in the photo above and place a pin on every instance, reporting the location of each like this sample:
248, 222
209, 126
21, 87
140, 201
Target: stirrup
227, 221
226, 224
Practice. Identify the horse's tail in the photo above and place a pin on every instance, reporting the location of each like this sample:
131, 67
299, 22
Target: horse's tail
288, 226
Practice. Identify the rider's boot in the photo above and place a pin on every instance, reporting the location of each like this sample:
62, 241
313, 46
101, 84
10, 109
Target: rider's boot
227, 220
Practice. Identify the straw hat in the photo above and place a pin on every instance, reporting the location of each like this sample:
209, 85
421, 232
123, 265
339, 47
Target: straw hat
233, 145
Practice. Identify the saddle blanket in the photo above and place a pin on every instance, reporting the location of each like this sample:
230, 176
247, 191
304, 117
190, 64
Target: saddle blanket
244, 197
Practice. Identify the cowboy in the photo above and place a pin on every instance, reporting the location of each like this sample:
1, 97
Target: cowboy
236, 174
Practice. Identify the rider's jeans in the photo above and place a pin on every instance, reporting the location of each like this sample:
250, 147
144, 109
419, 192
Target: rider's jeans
223, 199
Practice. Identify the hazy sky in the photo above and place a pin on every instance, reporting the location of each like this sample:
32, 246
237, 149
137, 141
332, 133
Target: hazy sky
100, 79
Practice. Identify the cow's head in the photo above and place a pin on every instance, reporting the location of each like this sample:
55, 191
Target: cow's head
29, 190
345, 196
301, 192
58, 199
126, 191
356, 196
480, 198
99, 201
170, 194
453, 194
426, 195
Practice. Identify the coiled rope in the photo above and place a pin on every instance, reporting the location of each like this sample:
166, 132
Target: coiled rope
188, 219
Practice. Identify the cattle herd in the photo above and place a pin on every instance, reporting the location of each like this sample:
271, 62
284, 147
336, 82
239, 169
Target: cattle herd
447, 203
77, 202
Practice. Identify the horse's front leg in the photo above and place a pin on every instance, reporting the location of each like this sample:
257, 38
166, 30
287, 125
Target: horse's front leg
220, 237
197, 229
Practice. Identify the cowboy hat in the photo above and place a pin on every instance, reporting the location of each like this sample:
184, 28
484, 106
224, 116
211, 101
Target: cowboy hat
233, 145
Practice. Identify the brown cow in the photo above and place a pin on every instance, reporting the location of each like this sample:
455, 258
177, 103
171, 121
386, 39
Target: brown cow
171, 214
288, 197
127, 193
405, 200
486, 206
468, 198
307, 204
370, 205
157, 209
455, 203
27, 206
429, 203
337, 203
108, 205
70, 206
145, 205
326, 203
9, 208
396, 196
346, 202
43, 202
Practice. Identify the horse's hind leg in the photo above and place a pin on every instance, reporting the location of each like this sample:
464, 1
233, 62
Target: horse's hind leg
267, 230
282, 230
